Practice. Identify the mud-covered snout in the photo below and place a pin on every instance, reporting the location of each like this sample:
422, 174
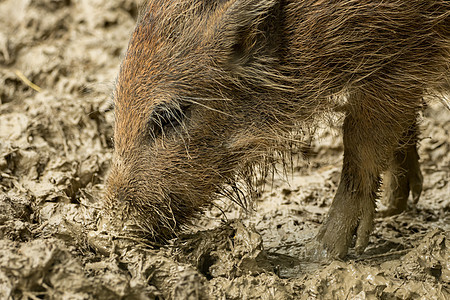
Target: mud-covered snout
113, 234
133, 212
134, 197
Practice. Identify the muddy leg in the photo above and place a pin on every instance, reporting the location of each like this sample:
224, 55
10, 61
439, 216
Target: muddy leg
371, 133
404, 175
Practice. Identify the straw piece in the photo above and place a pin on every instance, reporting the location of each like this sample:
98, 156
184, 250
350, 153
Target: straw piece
27, 82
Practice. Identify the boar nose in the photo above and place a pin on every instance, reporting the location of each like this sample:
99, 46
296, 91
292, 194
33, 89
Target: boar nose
109, 236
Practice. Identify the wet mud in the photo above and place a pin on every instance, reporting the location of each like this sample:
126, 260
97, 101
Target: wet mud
58, 62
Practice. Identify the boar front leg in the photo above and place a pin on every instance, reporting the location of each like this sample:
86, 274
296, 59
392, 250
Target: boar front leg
372, 129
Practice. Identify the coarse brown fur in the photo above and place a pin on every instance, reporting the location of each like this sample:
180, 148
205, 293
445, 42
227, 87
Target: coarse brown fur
211, 92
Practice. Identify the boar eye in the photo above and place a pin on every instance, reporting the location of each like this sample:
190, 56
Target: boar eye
163, 119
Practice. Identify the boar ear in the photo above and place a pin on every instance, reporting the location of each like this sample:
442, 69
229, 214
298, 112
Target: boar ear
244, 27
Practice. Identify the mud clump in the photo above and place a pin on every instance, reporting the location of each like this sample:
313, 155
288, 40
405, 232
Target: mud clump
228, 251
56, 149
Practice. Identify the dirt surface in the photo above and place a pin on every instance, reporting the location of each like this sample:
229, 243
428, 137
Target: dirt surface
58, 62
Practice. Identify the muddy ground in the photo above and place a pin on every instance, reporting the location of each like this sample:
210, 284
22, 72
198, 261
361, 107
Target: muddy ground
58, 62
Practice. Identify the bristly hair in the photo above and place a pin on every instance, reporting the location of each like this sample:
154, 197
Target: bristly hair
269, 70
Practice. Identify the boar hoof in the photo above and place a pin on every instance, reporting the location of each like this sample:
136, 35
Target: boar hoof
346, 218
